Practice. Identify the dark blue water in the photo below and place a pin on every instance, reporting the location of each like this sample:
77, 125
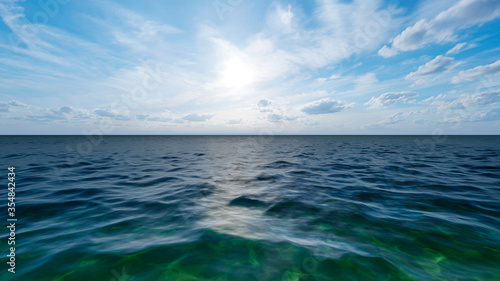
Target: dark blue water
254, 208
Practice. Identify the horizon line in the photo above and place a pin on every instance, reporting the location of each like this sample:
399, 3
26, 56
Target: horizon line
236, 135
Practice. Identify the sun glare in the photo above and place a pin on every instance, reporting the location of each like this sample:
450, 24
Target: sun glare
237, 73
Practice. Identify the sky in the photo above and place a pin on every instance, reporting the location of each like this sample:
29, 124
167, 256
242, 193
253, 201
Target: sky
250, 67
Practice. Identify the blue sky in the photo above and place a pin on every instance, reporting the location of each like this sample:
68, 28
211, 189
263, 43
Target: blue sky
250, 67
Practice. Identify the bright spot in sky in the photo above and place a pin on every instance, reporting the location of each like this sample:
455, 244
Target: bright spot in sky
237, 73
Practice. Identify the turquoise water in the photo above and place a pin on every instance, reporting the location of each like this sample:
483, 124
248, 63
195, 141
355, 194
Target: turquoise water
254, 208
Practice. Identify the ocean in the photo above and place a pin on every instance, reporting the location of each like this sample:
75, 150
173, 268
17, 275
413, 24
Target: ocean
237, 208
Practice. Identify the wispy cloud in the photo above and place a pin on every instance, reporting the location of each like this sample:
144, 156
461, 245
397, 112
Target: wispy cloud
476, 72
325, 106
460, 47
471, 101
433, 67
343, 29
390, 98
197, 118
393, 119
11, 105
278, 118
139, 32
442, 29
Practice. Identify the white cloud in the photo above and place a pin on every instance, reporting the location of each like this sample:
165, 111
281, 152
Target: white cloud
434, 99
470, 108
387, 99
279, 117
71, 113
264, 106
320, 80
13, 16
394, 119
472, 101
281, 19
140, 32
34, 39
457, 49
63, 110
112, 114
341, 30
398, 117
8, 106
433, 67
387, 52
163, 116
285, 17
489, 115
442, 29
15, 103
460, 47
19, 111
365, 82
476, 72
325, 106
197, 118
77, 64
263, 103
367, 79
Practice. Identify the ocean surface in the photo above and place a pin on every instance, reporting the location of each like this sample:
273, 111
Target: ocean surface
237, 208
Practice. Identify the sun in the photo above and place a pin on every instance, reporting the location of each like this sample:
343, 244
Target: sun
237, 73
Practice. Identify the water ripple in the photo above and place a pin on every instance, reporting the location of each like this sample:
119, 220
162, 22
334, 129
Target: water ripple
257, 208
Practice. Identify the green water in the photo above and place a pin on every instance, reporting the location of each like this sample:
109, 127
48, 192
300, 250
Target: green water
430, 255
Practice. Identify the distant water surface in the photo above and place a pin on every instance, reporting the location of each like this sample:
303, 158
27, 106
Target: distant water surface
236, 208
